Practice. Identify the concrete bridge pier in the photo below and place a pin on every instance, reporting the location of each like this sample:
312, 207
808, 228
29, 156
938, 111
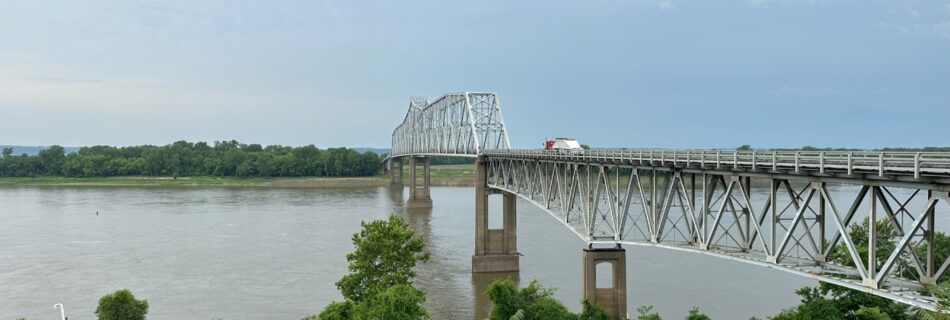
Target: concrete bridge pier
613, 298
419, 196
496, 250
395, 171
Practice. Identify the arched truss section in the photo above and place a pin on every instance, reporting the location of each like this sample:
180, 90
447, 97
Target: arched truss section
456, 124
773, 218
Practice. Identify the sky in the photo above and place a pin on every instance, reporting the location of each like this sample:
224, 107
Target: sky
648, 73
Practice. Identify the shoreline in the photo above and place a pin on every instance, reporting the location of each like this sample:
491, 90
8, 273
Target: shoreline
278, 182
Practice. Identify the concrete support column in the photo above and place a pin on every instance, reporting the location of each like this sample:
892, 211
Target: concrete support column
395, 171
419, 196
496, 250
614, 298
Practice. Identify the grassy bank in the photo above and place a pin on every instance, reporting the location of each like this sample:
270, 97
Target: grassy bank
443, 175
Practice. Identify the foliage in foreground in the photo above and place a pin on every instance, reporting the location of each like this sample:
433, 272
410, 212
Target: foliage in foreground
386, 253
828, 301
379, 285
121, 305
646, 313
534, 302
832, 302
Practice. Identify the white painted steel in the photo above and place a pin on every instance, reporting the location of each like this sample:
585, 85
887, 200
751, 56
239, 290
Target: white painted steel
917, 165
650, 199
456, 124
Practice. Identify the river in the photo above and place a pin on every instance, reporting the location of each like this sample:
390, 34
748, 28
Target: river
275, 253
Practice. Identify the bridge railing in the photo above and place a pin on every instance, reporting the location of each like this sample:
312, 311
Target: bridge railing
796, 211
916, 164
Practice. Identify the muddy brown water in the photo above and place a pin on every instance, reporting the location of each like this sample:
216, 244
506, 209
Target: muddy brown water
275, 253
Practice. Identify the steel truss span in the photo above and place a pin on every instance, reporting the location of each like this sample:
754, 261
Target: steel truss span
456, 124
786, 211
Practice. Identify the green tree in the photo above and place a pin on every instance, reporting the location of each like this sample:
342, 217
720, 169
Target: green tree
506, 299
336, 311
52, 160
744, 147
121, 305
828, 301
7, 151
379, 285
534, 302
398, 302
548, 308
849, 301
646, 313
518, 315
386, 253
592, 311
886, 242
872, 313
183, 158
941, 250
941, 291
814, 306
694, 314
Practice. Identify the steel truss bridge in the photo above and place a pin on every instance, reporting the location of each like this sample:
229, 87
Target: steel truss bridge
784, 210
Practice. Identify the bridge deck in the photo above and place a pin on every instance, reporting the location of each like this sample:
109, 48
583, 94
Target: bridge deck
932, 167
702, 201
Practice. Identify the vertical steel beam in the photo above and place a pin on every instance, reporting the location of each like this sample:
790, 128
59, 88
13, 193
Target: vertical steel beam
773, 212
872, 237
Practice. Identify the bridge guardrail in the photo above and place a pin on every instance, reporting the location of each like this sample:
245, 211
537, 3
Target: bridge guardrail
849, 162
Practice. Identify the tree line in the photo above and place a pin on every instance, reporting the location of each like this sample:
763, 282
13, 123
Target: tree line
183, 158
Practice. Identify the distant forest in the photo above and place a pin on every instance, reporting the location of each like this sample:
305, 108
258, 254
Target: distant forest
183, 158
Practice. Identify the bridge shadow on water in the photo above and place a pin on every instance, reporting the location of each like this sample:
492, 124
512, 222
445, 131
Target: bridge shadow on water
438, 276
452, 290
419, 219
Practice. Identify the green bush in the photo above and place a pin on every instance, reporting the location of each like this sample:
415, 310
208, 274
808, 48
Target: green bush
121, 305
534, 302
379, 285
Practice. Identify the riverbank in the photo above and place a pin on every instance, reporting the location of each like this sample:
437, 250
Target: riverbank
443, 175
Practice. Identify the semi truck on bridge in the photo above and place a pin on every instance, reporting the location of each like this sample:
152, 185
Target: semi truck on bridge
563, 146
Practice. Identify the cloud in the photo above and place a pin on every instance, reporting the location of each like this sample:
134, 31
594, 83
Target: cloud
938, 29
666, 5
156, 7
61, 80
786, 90
767, 3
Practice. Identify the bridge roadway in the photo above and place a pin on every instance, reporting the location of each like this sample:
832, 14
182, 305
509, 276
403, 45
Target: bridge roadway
784, 210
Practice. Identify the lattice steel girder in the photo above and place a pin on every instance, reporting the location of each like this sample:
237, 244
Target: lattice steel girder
456, 124
788, 222
914, 168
